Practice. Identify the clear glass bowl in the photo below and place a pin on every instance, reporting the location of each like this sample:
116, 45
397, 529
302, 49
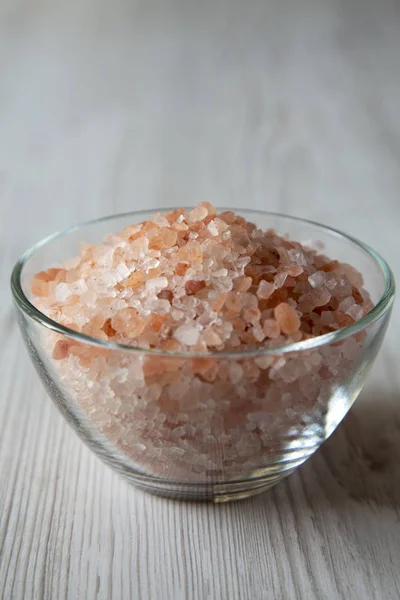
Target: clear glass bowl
220, 426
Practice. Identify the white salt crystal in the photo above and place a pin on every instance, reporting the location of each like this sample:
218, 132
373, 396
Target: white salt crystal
220, 273
212, 228
264, 362
317, 279
62, 292
156, 284
187, 334
160, 220
330, 284
122, 271
157, 305
355, 312
177, 314
223, 284
280, 278
297, 257
265, 289
78, 287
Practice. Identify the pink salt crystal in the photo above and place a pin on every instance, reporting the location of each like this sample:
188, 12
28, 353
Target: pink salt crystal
128, 321
181, 268
287, 318
251, 315
39, 287
235, 372
60, 350
242, 284
133, 281
265, 289
355, 312
330, 266
233, 302
294, 270
330, 284
258, 332
271, 329
228, 216
191, 252
198, 214
317, 297
192, 287
354, 277
218, 225
264, 361
239, 236
211, 338
346, 304
139, 246
326, 318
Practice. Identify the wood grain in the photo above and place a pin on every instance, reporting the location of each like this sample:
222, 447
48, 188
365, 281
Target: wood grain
105, 107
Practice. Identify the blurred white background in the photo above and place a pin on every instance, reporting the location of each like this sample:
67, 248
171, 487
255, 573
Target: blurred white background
113, 106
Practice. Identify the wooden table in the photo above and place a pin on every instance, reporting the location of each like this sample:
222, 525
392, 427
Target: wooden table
113, 106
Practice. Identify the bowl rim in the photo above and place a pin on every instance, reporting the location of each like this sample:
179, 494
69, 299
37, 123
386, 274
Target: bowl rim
381, 307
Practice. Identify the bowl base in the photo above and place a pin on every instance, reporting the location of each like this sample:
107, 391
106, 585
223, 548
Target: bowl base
216, 493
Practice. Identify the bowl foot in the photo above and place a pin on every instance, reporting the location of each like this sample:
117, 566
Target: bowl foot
210, 492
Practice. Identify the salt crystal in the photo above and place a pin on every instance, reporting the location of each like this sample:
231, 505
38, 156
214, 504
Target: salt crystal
235, 372
62, 292
330, 284
198, 214
355, 312
223, 284
317, 279
346, 304
122, 271
212, 228
158, 283
220, 273
265, 289
297, 257
264, 361
211, 338
271, 329
187, 334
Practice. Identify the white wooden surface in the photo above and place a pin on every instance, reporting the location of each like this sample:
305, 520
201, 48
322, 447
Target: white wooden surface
290, 105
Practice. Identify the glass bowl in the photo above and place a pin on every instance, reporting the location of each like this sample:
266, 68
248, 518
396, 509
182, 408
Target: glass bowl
220, 426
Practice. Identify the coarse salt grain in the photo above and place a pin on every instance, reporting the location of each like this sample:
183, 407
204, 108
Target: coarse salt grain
185, 334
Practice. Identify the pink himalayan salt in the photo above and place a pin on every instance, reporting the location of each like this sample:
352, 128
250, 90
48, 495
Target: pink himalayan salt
199, 419
201, 280
287, 318
128, 322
